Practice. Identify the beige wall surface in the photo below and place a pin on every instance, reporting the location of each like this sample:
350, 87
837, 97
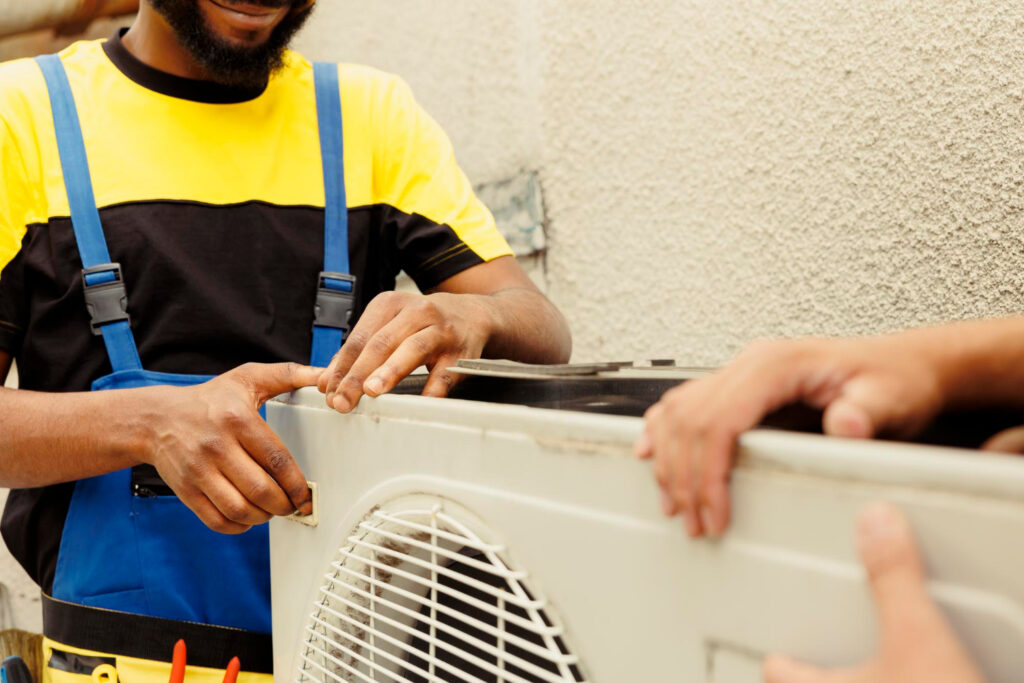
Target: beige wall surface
41, 42
719, 170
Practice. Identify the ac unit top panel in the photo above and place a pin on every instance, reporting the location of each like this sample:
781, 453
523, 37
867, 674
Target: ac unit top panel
574, 520
629, 388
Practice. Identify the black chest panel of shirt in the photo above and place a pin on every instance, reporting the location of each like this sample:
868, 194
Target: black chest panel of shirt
209, 288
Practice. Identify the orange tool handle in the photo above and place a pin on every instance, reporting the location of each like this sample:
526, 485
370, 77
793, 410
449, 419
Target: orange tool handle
178, 662
234, 666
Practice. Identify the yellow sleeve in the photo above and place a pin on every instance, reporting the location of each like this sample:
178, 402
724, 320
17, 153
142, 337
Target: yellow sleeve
15, 196
22, 92
416, 173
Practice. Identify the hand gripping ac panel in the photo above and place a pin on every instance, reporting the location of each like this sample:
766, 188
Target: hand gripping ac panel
465, 541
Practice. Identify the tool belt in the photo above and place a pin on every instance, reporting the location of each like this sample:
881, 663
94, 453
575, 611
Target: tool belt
146, 638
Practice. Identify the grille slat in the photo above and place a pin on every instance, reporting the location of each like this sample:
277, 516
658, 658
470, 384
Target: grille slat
502, 572
444, 571
383, 653
348, 667
465, 618
441, 533
417, 596
304, 675
445, 590
462, 654
474, 642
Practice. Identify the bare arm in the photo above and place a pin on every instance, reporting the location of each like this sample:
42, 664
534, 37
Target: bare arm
979, 363
52, 438
208, 442
491, 310
524, 324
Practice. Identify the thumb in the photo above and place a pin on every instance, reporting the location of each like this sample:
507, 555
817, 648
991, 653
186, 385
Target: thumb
865, 407
779, 669
266, 381
895, 570
846, 418
1007, 441
644, 447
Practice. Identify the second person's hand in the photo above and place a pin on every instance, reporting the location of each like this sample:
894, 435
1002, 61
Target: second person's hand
865, 387
916, 643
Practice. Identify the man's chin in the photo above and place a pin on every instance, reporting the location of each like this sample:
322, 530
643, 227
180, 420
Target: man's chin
233, 50
241, 42
239, 29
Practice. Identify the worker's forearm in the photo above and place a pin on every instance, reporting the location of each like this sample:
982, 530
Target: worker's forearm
980, 363
526, 327
52, 438
207, 441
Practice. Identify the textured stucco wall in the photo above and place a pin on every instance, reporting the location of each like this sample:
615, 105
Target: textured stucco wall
41, 42
718, 170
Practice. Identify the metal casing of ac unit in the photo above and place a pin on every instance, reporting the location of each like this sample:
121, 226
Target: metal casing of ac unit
635, 599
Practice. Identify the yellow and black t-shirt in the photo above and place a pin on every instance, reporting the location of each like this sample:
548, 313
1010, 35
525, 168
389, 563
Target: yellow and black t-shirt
212, 201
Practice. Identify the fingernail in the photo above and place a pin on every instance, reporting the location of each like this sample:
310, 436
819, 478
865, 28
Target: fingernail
642, 445
848, 420
375, 385
878, 522
692, 528
341, 405
668, 506
707, 519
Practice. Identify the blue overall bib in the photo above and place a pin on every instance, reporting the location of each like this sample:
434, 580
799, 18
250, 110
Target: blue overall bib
133, 547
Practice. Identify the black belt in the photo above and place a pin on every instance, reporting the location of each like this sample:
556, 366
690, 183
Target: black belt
152, 638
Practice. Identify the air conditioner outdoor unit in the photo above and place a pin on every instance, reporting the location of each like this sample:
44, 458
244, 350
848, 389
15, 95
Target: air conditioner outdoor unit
463, 540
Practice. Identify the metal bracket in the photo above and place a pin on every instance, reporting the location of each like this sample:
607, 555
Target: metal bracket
313, 518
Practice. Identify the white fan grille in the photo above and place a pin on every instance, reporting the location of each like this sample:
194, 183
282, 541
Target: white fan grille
416, 596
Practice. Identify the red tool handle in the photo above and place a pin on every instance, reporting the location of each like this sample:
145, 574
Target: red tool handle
178, 662
180, 657
234, 666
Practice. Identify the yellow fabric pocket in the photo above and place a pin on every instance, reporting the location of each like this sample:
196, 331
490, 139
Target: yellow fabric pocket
125, 669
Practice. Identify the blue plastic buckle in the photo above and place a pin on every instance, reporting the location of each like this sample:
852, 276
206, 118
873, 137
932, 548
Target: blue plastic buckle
335, 301
106, 298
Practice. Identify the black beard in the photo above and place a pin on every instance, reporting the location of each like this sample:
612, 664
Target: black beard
249, 67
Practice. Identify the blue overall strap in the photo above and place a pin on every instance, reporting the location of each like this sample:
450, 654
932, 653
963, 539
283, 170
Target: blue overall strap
102, 280
335, 297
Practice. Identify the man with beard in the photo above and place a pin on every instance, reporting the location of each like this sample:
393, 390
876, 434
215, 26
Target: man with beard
188, 197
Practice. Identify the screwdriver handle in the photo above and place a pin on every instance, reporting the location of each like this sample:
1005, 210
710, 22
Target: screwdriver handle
14, 670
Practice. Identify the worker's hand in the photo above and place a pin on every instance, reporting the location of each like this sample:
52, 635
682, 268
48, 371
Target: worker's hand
865, 386
213, 449
916, 644
398, 333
